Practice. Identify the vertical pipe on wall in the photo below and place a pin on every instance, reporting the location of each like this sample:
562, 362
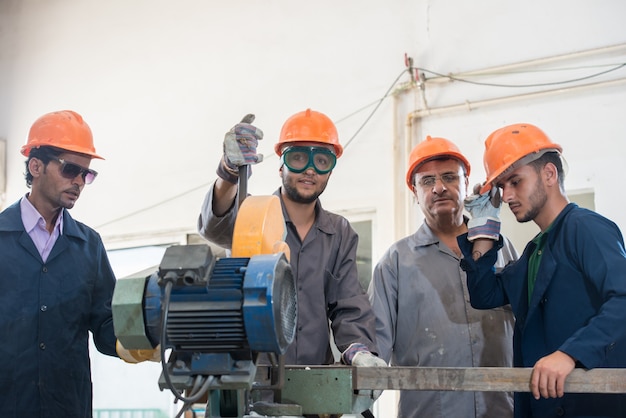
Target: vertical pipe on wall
400, 208
3, 172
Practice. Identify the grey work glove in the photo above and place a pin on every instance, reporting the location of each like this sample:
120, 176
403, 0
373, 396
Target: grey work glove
485, 212
365, 398
240, 144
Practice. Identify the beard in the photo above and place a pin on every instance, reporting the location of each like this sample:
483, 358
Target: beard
292, 191
537, 201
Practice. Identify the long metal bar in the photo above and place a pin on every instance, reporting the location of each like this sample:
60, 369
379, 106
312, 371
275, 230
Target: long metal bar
328, 389
482, 379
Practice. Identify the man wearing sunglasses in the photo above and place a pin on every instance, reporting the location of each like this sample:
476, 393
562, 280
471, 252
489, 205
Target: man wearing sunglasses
56, 282
322, 244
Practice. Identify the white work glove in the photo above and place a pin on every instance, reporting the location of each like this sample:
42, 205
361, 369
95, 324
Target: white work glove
138, 355
240, 145
485, 212
363, 399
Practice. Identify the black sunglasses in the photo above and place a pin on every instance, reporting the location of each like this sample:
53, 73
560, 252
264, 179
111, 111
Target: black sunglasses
71, 170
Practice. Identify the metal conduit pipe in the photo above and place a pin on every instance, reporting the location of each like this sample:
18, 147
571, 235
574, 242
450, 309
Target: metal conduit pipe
402, 198
467, 105
405, 149
400, 193
534, 62
408, 200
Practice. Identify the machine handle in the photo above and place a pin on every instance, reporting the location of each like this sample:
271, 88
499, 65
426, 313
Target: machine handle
244, 169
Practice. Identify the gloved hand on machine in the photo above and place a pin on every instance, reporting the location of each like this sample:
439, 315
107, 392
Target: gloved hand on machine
485, 214
240, 144
358, 355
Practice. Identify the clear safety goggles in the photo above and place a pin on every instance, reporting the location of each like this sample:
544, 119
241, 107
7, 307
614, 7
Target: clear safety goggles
299, 158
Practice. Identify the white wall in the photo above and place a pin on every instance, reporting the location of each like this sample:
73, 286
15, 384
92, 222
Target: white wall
541, 41
161, 81
581, 116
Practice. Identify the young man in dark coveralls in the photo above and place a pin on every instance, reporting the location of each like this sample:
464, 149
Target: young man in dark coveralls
567, 290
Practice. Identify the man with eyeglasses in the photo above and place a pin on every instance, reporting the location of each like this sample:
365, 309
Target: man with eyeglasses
322, 244
420, 297
56, 282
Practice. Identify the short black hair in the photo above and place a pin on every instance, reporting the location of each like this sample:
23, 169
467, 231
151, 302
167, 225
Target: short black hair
554, 158
45, 154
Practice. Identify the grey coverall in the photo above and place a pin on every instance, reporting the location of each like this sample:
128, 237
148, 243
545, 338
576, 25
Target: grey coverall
424, 318
325, 271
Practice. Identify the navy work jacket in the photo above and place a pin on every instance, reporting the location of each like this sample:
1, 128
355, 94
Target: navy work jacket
46, 311
578, 306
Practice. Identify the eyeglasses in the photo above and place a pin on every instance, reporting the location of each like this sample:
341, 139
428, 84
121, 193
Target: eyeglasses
299, 158
430, 181
71, 170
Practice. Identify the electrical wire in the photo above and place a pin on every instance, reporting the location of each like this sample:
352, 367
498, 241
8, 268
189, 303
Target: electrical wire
380, 101
553, 83
202, 383
377, 104
138, 211
207, 184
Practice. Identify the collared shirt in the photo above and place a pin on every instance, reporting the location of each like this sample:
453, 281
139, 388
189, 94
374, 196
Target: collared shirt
328, 287
535, 259
35, 226
48, 311
424, 318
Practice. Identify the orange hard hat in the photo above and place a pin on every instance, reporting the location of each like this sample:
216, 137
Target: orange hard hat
309, 126
510, 144
431, 148
64, 129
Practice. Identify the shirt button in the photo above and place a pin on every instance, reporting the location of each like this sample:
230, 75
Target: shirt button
44, 269
43, 308
560, 412
42, 346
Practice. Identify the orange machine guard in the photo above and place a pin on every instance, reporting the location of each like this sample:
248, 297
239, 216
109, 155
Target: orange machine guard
260, 228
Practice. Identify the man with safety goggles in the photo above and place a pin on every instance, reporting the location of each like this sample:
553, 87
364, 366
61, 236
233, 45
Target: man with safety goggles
300, 158
326, 273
